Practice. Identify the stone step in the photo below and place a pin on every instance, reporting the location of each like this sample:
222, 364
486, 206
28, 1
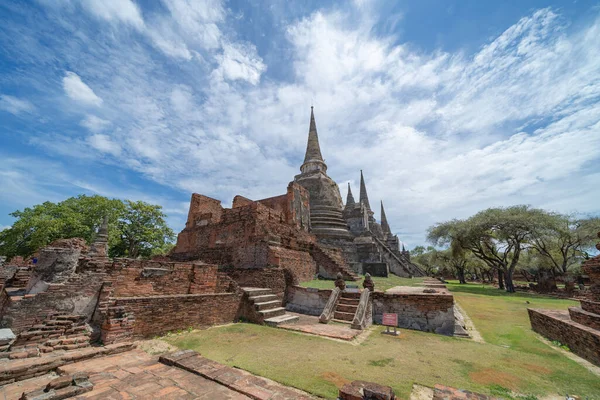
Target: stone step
251, 291
263, 298
273, 312
350, 308
350, 295
341, 321
282, 319
267, 305
349, 302
344, 316
591, 306
584, 317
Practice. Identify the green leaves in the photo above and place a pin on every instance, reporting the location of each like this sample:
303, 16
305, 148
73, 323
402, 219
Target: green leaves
135, 228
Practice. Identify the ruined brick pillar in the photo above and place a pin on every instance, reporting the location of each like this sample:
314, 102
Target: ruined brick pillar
56, 264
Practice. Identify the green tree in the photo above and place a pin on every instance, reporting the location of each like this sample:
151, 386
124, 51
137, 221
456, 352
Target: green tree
564, 240
425, 258
142, 229
496, 236
80, 216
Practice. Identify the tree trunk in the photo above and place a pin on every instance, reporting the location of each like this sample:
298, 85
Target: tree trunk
461, 275
510, 287
500, 279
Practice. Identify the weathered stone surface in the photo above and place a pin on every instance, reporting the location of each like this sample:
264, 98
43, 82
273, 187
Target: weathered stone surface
6, 336
241, 381
59, 383
56, 264
308, 301
361, 390
429, 312
441, 392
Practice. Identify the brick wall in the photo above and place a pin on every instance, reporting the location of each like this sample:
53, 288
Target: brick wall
160, 314
308, 301
300, 263
203, 210
429, 312
586, 318
272, 278
137, 278
78, 295
591, 306
556, 325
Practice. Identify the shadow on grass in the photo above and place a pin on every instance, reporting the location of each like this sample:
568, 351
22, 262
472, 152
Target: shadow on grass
488, 290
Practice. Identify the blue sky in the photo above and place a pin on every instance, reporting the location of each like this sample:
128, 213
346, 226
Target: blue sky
449, 107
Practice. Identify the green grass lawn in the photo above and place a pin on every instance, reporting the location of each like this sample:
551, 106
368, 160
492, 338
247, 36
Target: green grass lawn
513, 359
382, 284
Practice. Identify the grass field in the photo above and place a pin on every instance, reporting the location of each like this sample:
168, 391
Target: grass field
382, 284
511, 360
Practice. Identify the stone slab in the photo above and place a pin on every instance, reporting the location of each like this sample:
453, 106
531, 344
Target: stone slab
310, 324
6, 336
244, 383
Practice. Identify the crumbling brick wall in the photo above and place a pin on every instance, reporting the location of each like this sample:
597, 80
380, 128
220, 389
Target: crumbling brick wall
161, 314
272, 278
253, 235
300, 264
142, 278
78, 295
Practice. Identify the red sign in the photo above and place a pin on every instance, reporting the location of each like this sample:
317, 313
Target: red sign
390, 319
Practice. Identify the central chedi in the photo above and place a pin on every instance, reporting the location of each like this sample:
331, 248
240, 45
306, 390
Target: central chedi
327, 222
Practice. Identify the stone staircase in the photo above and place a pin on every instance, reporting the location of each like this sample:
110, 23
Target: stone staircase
267, 307
346, 307
398, 265
21, 277
332, 262
59, 331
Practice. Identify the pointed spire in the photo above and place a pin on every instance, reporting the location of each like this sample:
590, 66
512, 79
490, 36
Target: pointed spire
313, 150
350, 199
384, 224
364, 199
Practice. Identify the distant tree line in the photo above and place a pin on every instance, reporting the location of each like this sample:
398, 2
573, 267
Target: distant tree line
499, 241
136, 229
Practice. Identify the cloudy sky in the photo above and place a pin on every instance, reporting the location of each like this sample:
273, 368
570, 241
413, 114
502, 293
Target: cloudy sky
448, 106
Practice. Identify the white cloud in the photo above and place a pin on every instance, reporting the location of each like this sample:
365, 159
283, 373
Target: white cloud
125, 11
104, 144
15, 105
190, 26
77, 90
438, 134
240, 62
94, 123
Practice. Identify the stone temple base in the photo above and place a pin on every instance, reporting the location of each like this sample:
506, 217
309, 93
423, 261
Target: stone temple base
558, 325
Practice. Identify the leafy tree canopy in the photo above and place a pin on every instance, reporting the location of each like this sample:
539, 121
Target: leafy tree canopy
500, 236
135, 228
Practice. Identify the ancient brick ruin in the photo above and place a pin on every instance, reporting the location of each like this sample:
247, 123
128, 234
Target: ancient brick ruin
579, 327
72, 300
229, 264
